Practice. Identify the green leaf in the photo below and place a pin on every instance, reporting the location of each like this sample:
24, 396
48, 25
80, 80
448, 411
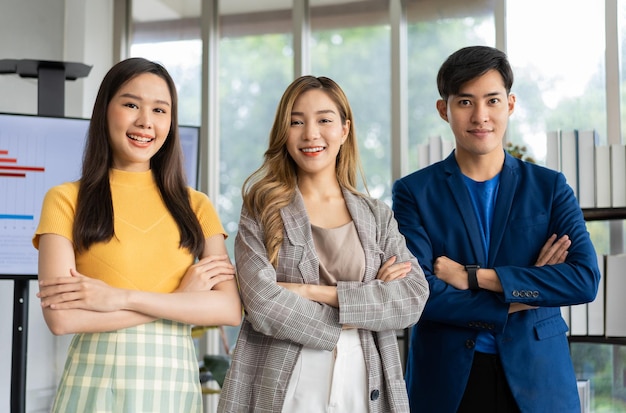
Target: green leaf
218, 366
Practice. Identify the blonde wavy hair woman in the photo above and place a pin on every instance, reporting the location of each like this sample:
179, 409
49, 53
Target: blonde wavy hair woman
273, 185
324, 274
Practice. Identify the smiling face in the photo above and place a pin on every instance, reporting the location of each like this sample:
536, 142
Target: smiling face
316, 133
478, 115
139, 119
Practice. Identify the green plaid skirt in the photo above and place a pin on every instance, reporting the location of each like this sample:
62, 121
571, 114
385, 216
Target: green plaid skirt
145, 369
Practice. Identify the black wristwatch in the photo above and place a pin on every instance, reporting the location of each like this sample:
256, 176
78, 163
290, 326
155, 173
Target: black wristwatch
472, 280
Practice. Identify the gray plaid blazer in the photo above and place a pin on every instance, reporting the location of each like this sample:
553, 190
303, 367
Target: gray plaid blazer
278, 322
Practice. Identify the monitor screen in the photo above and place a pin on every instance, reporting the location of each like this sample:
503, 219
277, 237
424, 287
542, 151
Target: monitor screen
37, 153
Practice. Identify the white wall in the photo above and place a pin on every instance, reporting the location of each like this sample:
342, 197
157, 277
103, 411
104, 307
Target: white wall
59, 30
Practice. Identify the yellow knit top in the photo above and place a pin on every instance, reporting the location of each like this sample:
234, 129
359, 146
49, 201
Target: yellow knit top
144, 253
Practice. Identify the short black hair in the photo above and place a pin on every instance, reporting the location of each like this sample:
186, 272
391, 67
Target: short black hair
469, 63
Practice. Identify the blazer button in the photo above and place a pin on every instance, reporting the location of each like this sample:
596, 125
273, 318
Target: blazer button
470, 343
374, 395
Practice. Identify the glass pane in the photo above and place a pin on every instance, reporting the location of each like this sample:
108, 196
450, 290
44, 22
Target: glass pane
169, 33
254, 72
604, 367
559, 69
352, 58
183, 59
435, 30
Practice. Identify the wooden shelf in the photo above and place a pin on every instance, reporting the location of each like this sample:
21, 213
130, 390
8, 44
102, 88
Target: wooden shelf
598, 340
601, 214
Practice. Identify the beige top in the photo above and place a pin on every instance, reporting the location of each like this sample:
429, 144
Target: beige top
340, 252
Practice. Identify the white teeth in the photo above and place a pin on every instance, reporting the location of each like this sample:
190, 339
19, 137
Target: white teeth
310, 150
139, 138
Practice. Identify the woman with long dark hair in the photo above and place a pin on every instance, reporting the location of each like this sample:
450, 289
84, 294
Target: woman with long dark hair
130, 256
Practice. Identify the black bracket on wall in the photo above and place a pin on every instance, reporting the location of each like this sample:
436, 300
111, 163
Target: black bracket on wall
52, 76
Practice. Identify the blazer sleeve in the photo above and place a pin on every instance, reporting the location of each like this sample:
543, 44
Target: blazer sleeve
271, 309
446, 304
376, 305
573, 282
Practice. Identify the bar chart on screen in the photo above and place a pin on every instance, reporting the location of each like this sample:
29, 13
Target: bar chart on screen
36, 153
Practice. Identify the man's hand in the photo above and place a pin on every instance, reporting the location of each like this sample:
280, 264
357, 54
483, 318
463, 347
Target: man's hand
451, 272
554, 251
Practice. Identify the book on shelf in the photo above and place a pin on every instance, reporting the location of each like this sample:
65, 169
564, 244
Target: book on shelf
586, 140
569, 158
578, 320
584, 394
618, 172
434, 149
603, 176
565, 313
447, 146
615, 285
595, 309
422, 155
553, 150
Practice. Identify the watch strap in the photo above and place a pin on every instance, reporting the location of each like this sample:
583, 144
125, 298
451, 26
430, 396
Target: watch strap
472, 280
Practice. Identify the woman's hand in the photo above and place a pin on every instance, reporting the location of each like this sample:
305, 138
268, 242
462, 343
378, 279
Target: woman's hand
327, 294
390, 270
207, 273
80, 292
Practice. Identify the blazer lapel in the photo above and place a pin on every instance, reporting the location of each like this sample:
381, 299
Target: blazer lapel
464, 204
509, 178
367, 229
298, 233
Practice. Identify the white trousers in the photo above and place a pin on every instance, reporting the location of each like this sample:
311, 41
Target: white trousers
330, 381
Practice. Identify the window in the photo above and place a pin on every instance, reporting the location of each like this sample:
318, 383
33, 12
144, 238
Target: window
559, 69
351, 46
254, 71
435, 30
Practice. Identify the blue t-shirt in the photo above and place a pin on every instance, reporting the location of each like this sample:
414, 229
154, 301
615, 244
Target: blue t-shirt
483, 196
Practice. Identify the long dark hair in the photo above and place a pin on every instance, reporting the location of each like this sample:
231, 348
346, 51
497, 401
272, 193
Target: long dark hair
94, 210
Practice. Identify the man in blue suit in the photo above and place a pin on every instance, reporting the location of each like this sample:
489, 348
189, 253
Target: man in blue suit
503, 244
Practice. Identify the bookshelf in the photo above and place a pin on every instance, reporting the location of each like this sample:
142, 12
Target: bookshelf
598, 359
601, 214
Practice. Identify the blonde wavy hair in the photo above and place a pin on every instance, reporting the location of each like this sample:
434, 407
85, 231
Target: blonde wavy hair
273, 185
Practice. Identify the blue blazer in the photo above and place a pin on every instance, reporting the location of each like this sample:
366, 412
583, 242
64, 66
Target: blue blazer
435, 214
